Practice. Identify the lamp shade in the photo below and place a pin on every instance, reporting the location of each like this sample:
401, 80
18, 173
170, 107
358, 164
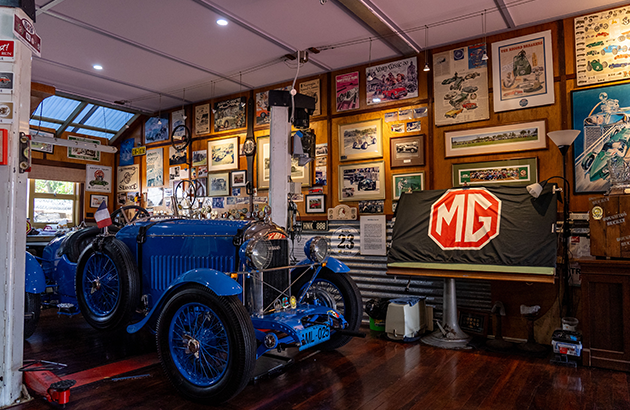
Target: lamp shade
563, 137
534, 189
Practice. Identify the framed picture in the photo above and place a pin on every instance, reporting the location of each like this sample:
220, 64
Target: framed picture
300, 174
97, 200
605, 133
362, 181
360, 140
84, 153
402, 183
508, 172
219, 184
407, 151
222, 154
156, 129
238, 178
393, 81
522, 72
262, 166
316, 204
229, 114
98, 178
490, 140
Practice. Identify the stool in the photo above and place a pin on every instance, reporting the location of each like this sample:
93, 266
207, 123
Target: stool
498, 343
530, 313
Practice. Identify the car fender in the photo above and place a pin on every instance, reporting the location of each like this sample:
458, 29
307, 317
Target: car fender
332, 264
35, 282
216, 281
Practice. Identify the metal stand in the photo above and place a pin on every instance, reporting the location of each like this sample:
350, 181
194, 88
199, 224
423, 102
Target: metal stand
449, 335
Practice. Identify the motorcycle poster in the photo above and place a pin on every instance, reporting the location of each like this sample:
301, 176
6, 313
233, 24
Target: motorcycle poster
460, 83
393, 81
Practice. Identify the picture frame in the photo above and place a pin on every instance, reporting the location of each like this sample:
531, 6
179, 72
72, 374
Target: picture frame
156, 129
315, 204
218, 184
222, 154
262, 165
360, 140
521, 171
407, 151
238, 178
301, 174
402, 183
362, 181
522, 72
96, 200
98, 178
598, 129
492, 140
84, 153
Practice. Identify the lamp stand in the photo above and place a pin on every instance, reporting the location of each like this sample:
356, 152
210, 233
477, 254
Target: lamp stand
566, 234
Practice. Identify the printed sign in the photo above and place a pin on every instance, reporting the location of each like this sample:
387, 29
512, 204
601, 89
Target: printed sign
393, 81
25, 31
128, 178
7, 50
138, 151
347, 87
6, 82
98, 178
6, 113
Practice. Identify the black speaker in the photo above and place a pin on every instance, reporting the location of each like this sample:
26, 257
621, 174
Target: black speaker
28, 6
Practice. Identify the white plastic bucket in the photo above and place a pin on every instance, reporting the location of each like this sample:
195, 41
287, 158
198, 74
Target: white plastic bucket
570, 323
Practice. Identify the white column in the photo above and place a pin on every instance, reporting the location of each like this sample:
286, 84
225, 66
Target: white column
13, 188
279, 164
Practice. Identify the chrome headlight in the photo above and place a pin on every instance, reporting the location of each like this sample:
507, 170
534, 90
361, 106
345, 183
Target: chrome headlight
316, 249
258, 253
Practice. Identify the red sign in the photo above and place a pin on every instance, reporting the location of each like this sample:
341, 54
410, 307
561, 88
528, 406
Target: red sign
465, 219
24, 30
6, 49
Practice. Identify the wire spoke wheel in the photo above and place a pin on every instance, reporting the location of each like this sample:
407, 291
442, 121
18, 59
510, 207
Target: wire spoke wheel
101, 284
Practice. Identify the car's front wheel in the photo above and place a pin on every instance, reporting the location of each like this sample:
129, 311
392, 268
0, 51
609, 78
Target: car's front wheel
32, 310
206, 344
337, 291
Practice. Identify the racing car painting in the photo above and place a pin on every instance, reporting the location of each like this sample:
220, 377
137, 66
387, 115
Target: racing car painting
603, 116
360, 140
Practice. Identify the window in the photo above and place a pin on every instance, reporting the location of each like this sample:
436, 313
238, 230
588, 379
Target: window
53, 202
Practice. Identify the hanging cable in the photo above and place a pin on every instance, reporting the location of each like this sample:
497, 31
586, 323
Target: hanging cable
293, 90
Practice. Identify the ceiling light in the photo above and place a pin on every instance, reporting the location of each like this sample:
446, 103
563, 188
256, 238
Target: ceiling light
97, 67
426, 67
222, 22
376, 100
484, 57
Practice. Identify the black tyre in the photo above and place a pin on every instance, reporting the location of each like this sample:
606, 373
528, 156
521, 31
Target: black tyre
32, 310
206, 344
337, 291
107, 284
78, 241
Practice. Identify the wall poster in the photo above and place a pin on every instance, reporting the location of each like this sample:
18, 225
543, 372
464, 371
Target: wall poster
84, 153
155, 167
229, 114
460, 84
202, 119
262, 108
129, 178
522, 70
393, 81
177, 119
599, 43
98, 178
347, 91
156, 129
311, 88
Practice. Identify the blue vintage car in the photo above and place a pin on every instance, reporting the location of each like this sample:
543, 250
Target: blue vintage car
219, 294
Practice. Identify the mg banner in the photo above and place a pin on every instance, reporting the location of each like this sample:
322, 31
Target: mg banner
490, 226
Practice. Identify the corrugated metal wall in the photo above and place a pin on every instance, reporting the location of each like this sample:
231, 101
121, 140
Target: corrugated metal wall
370, 272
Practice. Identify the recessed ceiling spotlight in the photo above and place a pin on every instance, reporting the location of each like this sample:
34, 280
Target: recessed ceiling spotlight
97, 67
222, 22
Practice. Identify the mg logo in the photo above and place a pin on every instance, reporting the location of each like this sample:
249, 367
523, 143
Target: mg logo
465, 219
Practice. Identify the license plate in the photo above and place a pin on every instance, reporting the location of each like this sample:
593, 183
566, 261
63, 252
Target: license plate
314, 335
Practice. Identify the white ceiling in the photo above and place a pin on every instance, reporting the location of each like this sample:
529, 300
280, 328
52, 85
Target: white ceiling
155, 51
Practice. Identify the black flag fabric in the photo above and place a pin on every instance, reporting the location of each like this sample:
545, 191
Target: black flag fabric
500, 225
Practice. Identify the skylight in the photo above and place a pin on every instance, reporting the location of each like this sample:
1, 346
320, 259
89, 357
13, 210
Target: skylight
81, 117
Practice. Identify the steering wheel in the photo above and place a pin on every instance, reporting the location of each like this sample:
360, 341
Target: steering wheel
178, 143
187, 191
121, 217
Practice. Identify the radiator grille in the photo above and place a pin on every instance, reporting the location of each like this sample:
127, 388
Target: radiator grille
164, 268
277, 279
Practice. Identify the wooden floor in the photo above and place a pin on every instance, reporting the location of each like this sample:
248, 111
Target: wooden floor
369, 373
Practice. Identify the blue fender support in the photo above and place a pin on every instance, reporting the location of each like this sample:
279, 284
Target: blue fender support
35, 282
332, 264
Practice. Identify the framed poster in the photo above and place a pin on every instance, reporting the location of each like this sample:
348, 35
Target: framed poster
98, 178
97, 200
156, 129
360, 140
301, 174
125, 156
508, 172
84, 153
238, 178
311, 88
600, 113
199, 158
402, 183
262, 108
347, 91
522, 72
177, 119
229, 114
222, 154
490, 140
202, 119
155, 167
263, 155
460, 84
315, 204
407, 151
176, 157
393, 81
128, 178
600, 43
155, 197
362, 181
219, 184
